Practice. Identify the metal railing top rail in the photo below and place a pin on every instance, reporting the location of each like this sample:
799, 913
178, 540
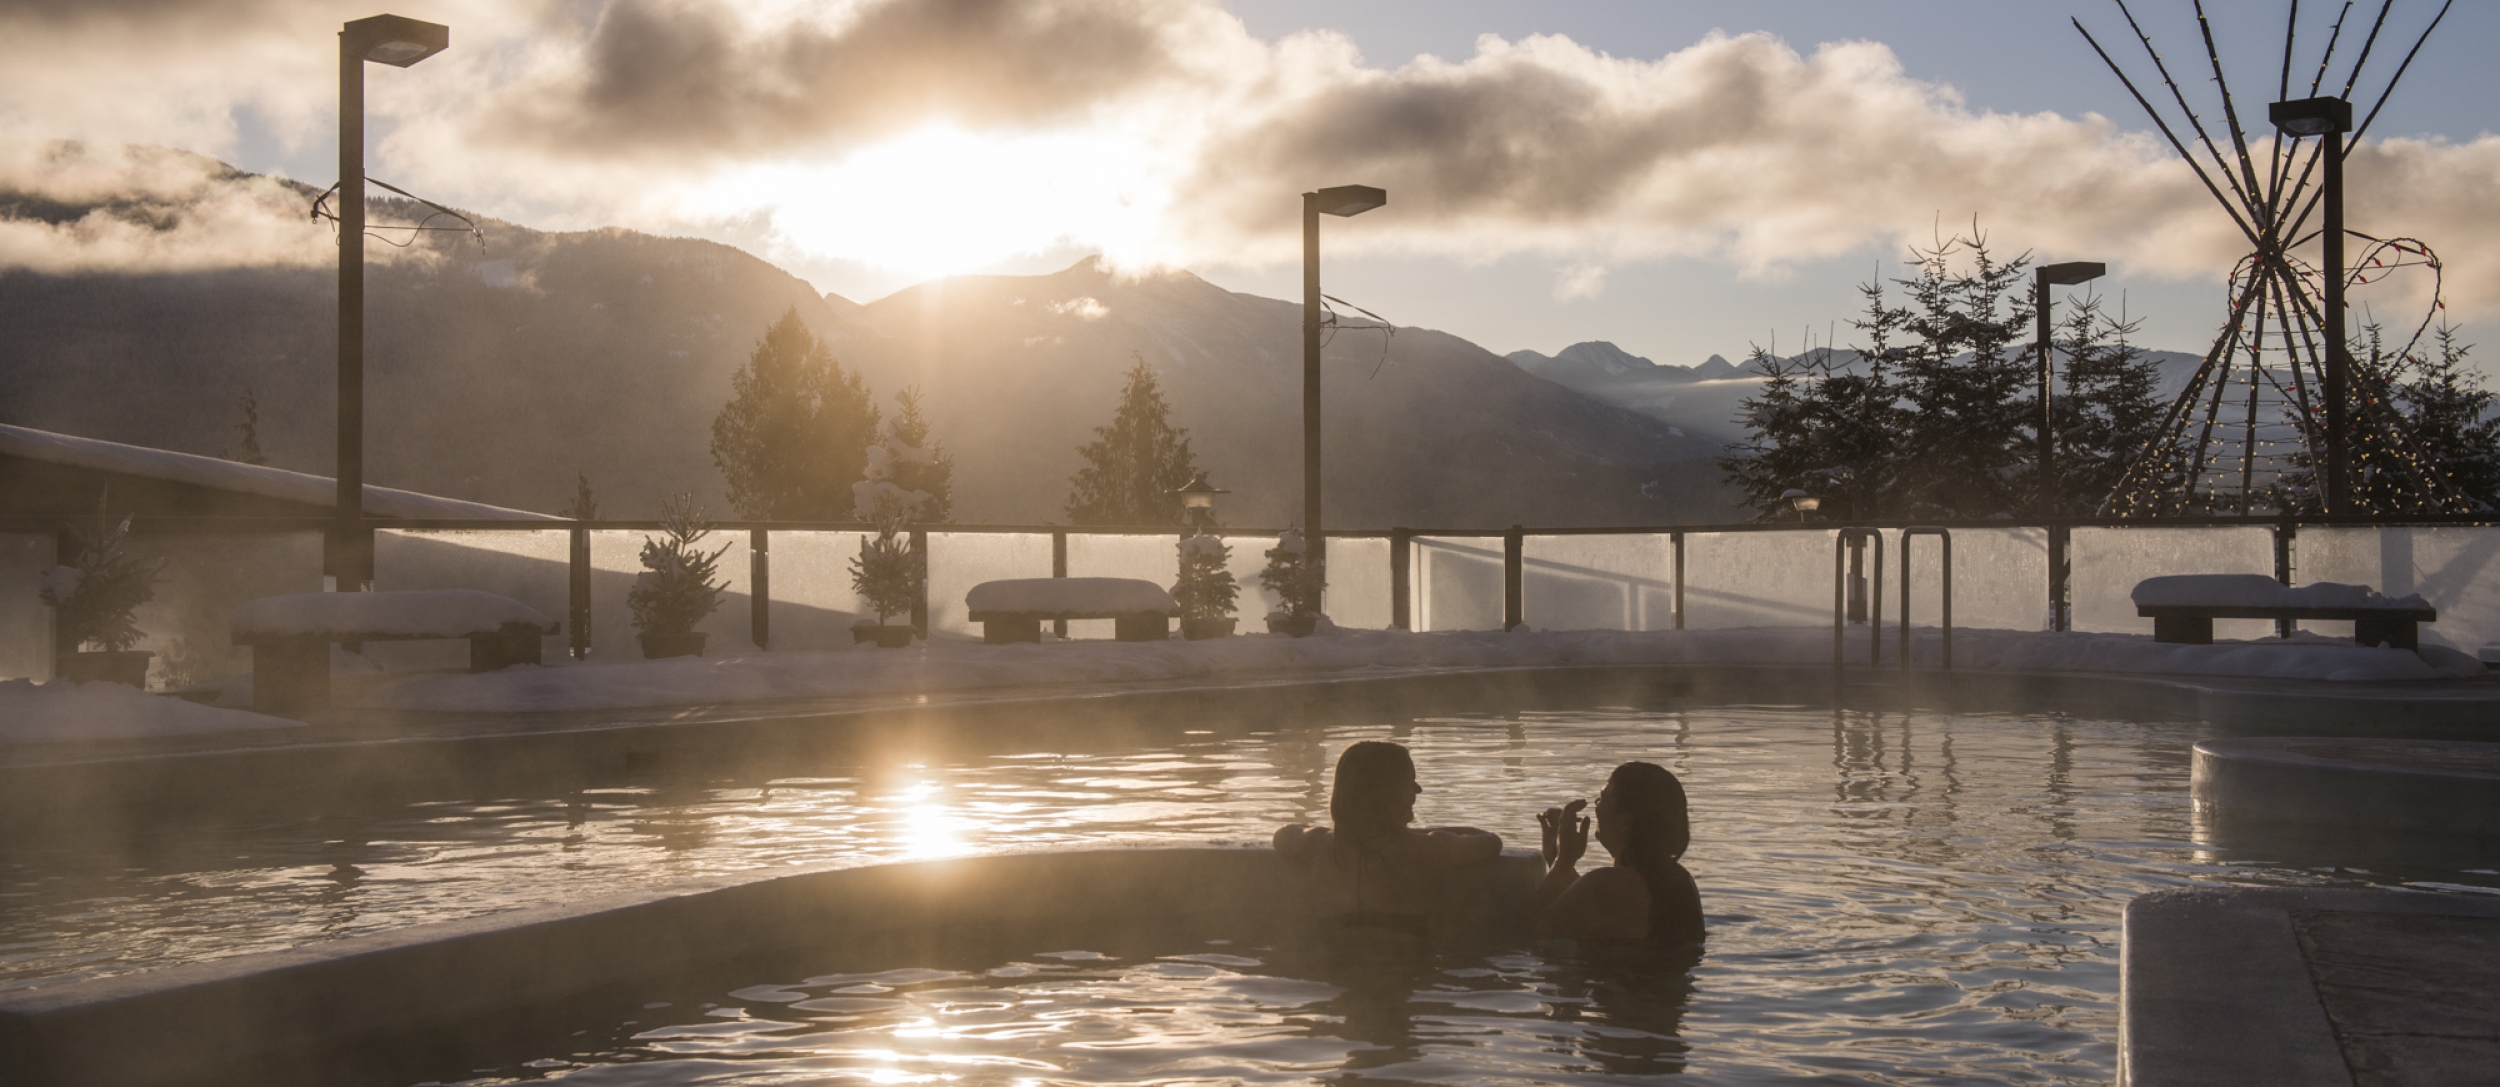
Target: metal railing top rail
172, 523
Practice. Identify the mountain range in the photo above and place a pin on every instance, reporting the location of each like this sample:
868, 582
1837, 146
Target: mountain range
497, 370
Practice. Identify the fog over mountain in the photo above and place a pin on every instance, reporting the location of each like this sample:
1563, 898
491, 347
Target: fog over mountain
495, 372
1705, 401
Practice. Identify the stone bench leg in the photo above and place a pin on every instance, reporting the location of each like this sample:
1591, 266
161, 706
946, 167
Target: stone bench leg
1141, 628
503, 649
2400, 633
1007, 631
291, 676
2184, 630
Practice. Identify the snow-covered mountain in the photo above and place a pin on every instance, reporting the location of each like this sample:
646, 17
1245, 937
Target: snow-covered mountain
495, 373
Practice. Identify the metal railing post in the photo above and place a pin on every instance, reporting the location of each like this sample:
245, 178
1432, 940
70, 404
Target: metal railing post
1675, 544
579, 592
1401, 579
760, 588
920, 590
1514, 543
2060, 569
1946, 536
2286, 540
1840, 598
1059, 568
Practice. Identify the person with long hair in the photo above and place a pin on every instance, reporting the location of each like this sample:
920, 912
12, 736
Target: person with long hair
1646, 894
1370, 870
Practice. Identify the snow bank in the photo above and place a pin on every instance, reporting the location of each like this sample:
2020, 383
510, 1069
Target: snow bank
225, 475
418, 613
62, 711
958, 666
2259, 591
1070, 594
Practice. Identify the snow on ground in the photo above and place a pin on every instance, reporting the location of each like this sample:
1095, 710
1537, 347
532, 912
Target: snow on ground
408, 613
944, 666
61, 711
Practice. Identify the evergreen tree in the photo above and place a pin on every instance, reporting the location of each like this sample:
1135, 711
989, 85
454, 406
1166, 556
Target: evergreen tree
675, 591
932, 471
2109, 408
1289, 574
96, 596
1133, 465
1205, 588
794, 435
1966, 410
2450, 415
249, 451
584, 506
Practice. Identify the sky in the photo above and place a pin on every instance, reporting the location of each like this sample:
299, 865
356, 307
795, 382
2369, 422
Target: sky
1679, 178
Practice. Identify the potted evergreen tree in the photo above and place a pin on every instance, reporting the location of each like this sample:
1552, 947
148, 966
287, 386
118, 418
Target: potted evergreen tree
93, 599
676, 589
887, 575
1290, 575
1206, 588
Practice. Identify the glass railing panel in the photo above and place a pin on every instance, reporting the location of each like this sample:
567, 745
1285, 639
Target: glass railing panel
203, 579
813, 604
26, 624
1597, 582
2108, 562
1151, 557
2456, 568
532, 566
1358, 585
960, 560
1753, 579
1458, 582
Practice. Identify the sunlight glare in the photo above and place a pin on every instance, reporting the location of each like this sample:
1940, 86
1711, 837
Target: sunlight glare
943, 201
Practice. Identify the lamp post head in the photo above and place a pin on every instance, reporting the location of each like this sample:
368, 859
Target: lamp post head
1199, 494
1345, 199
2072, 272
2311, 116
395, 40
1804, 503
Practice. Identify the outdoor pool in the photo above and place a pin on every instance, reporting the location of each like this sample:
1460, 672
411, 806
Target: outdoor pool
1892, 898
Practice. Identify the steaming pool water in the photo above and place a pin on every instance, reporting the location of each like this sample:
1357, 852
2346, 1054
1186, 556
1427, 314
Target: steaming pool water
1891, 898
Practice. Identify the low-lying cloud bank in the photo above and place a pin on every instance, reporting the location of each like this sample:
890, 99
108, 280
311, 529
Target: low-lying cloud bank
1162, 131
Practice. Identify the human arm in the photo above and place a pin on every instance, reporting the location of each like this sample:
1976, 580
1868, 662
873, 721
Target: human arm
1566, 839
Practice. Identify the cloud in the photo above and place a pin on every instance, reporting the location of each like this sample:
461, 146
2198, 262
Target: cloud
942, 133
68, 208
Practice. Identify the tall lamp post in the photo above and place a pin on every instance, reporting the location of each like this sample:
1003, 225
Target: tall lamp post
2072, 273
398, 42
2069, 274
1198, 503
2331, 118
1343, 200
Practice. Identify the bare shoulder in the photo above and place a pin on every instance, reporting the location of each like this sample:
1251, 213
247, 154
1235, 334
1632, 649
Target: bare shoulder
1297, 840
1615, 885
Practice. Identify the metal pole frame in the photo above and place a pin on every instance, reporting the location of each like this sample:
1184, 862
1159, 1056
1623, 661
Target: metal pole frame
1315, 541
2338, 363
1401, 579
1840, 598
1514, 602
1947, 536
350, 555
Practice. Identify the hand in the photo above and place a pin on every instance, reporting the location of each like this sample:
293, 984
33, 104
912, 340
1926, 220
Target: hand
1566, 834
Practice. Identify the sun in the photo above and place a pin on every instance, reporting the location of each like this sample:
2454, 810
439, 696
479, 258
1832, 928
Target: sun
942, 201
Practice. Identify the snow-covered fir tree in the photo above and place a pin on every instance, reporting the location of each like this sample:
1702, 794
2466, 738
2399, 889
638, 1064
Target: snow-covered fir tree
930, 469
676, 589
1205, 588
1288, 574
1133, 466
96, 596
888, 574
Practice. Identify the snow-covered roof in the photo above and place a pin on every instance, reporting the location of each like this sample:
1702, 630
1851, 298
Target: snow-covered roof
253, 479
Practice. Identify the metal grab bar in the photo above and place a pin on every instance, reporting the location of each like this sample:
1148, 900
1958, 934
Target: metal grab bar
1840, 598
1947, 537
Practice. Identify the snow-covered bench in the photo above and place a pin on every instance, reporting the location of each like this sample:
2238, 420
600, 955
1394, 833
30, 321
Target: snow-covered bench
1013, 610
2183, 607
291, 636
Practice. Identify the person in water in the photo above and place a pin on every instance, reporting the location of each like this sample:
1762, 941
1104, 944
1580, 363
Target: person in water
1370, 870
1646, 894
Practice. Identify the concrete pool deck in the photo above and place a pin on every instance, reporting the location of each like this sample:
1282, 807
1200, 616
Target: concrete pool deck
2445, 787
2309, 988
